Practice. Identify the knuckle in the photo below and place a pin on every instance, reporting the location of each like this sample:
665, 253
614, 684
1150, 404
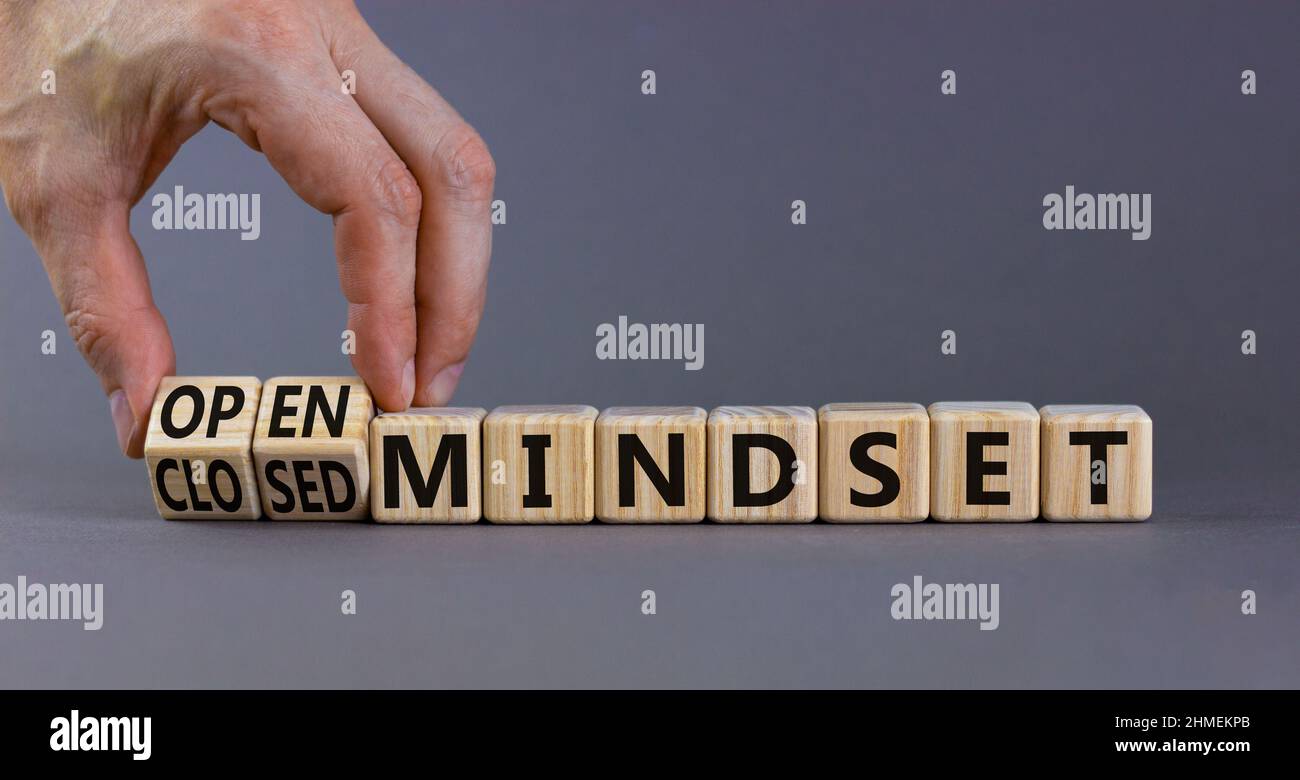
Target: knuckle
470, 170
109, 332
28, 205
93, 333
255, 25
397, 193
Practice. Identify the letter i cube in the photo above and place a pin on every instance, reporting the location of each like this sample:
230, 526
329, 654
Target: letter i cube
539, 464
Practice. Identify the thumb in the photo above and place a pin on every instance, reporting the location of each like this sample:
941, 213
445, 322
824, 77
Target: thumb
100, 280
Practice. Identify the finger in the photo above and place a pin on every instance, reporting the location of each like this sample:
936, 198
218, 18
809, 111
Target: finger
331, 154
456, 175
102, 285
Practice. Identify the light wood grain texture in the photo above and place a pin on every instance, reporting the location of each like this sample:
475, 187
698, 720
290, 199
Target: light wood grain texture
667, 433
561, 456
794, 485
953, 463
851, 463
451, 493
221, 439
1123, 481
312, 449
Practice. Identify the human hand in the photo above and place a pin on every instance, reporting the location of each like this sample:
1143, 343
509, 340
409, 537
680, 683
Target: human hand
406, 180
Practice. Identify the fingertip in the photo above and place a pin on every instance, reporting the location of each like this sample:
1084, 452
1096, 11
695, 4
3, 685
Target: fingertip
119, 407
408, 382
130, 421
392, 389
135, 450
442, 389
147, 357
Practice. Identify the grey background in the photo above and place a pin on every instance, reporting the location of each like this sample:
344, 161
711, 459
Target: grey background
924, 213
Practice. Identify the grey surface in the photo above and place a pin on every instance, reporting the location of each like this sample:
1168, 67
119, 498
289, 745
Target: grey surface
924, 214
216, 604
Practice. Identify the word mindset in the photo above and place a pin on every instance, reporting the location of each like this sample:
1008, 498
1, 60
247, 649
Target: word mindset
312, 448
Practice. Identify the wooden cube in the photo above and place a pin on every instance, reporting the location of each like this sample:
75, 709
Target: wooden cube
762, 464
874, 464
650, 464
983, 461
1096, 462
199, 447
425, 466
539, 464
311, 448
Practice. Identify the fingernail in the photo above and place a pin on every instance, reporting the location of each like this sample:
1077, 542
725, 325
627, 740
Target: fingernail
123, 419
408, 381
443, 386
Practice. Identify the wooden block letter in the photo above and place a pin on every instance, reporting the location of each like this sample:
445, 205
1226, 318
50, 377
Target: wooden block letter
199, 447
425, 466
539, 464
762, 464
650, 464
1096, 463
875, 462
311, 448
983, 461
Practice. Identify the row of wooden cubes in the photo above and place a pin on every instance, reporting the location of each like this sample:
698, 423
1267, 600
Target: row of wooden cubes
313, 448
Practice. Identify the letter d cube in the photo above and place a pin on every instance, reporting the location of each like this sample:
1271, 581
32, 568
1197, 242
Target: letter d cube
762, 464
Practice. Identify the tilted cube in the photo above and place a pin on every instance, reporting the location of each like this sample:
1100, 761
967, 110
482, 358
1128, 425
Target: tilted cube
199, 447
311, 448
